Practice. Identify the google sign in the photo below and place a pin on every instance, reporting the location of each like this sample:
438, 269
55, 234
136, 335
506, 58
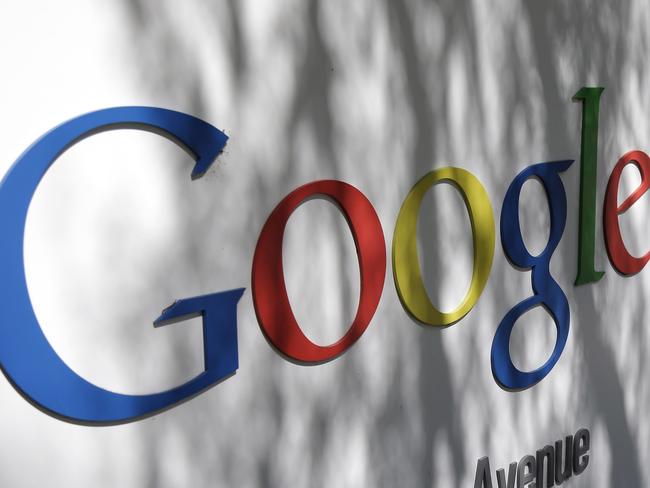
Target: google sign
43, 378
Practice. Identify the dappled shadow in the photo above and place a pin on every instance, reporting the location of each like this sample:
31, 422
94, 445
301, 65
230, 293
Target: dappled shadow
378, 94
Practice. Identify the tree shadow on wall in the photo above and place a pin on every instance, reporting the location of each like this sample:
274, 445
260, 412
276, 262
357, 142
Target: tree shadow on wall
401, 441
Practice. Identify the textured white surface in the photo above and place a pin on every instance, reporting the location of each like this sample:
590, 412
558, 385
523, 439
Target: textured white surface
373, 93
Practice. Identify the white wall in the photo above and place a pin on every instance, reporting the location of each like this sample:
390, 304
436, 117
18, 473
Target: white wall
375, 94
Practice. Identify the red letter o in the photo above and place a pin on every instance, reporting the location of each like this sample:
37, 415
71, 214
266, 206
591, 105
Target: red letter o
270, 298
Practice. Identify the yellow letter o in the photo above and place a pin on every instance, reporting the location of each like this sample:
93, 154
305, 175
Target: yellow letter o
406, 266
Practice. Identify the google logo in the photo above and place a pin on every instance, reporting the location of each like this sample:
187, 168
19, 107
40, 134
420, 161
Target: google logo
44, 379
